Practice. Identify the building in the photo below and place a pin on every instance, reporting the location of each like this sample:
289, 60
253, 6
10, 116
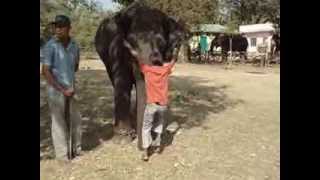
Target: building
210, 30
257, 35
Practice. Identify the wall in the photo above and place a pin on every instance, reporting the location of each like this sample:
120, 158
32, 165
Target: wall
259, 40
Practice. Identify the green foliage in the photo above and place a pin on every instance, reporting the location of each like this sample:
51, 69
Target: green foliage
226, 12
232, 26
258, 11
189, 11
85, 17
123, 2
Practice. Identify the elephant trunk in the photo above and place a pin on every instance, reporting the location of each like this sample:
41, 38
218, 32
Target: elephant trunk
140, 101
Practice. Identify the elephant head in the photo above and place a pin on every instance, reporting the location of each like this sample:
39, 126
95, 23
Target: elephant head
150, 36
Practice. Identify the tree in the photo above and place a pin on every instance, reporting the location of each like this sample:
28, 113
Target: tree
189, 11
84, 14
124, 2
258, 11
233, 13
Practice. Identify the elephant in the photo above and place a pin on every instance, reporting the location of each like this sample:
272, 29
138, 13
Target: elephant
136, 34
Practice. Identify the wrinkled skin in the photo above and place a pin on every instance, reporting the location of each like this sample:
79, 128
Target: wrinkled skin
135, 34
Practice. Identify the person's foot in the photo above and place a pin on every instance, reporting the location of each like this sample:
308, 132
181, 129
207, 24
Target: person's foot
145, 155
157, 149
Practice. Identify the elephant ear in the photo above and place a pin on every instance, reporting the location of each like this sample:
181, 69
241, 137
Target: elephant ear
125, 16
124, 20
176, 34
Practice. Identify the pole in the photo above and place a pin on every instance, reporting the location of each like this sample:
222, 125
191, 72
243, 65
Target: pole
230, 43
69, 124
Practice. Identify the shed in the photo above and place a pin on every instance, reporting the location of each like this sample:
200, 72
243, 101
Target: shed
257, 35
210, 30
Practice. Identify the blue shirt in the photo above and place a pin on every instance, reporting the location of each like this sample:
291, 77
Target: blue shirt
61, 61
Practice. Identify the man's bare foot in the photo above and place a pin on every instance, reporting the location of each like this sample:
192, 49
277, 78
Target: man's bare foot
145, 155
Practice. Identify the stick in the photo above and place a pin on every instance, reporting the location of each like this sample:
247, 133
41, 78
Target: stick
69, 124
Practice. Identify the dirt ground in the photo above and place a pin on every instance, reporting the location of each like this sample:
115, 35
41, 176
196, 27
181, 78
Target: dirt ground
229, 128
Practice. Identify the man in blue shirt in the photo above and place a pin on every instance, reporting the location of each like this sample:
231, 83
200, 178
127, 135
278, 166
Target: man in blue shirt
60, 62
203, 44
203, 47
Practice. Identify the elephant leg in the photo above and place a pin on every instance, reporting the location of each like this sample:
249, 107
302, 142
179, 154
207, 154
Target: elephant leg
122, 98
243, 57
122, 107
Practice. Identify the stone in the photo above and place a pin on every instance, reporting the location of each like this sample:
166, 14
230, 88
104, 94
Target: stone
253, 155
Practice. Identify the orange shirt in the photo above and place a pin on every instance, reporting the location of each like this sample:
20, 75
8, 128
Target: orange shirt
157, 81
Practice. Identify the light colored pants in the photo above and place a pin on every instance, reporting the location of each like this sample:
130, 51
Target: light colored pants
59, 128
154, 116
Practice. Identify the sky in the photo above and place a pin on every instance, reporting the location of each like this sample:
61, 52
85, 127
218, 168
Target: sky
108, 4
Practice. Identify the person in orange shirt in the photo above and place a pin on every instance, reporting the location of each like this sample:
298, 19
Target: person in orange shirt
156, 82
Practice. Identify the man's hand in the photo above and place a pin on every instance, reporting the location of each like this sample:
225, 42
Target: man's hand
68, 92
50, 79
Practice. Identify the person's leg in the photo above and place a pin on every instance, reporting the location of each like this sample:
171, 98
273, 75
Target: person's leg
158, 127
146, 129
147, 125
76, 127
58, 127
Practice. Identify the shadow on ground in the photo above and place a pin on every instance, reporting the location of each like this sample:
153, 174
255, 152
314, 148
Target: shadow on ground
191, 100
95, 103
